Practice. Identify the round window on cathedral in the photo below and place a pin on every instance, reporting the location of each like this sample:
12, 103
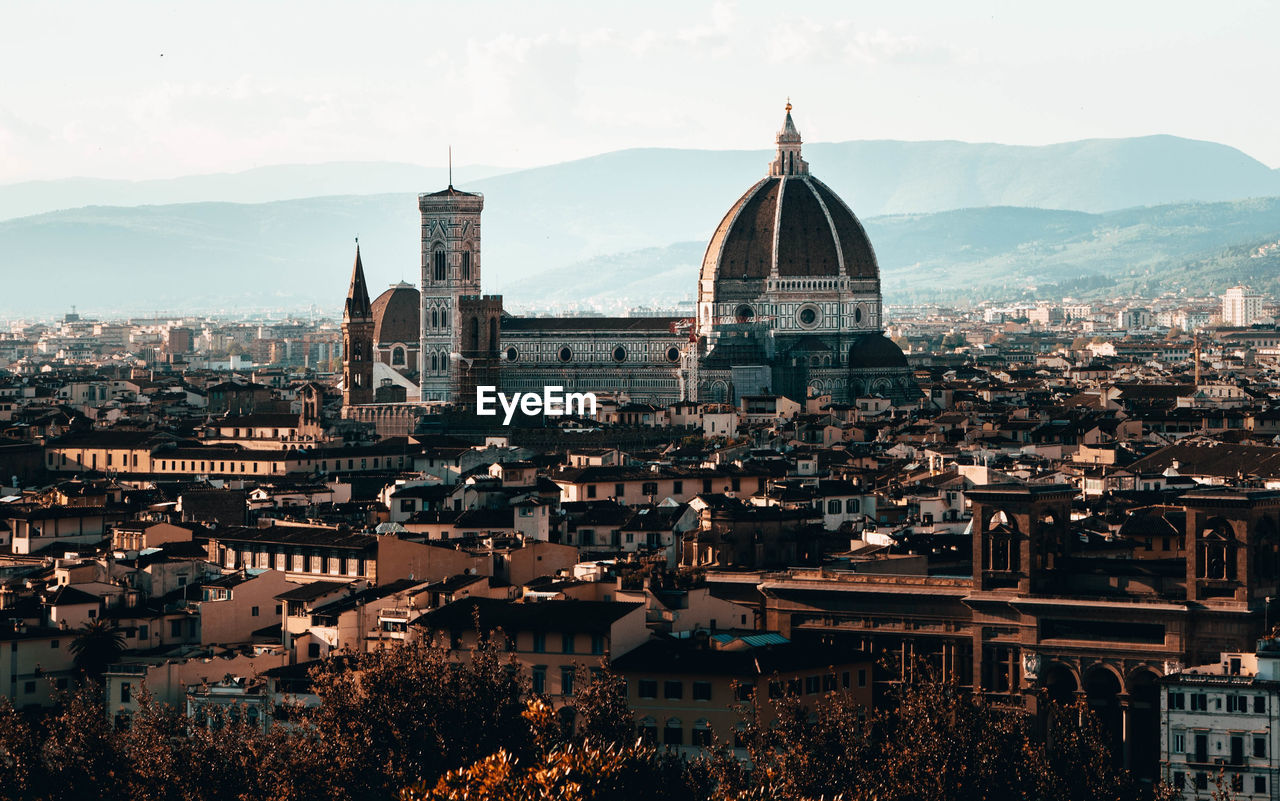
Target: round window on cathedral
808, 316
619, 354
566, 353
673, 354
744, 314
857, 315
512, 354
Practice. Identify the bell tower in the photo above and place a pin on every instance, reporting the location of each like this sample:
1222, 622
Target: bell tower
450, 271
357, 340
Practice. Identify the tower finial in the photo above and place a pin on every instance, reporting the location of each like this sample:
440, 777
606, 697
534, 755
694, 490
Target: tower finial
788, 104
450, 166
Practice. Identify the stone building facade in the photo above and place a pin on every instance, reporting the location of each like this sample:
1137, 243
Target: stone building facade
1040, 619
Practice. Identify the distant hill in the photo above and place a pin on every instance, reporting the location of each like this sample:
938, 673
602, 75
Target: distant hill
260, 185
279, 237
291, 254
976, 254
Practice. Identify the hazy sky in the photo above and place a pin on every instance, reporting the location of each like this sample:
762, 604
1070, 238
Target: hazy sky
143, 90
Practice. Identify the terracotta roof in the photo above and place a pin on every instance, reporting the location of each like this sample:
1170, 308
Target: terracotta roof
395, 315
816, 234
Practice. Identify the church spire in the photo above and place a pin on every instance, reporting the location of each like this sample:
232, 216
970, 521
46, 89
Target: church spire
788, 161
358, 307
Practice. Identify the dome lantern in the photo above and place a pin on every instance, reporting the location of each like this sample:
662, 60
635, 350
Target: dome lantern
788, 161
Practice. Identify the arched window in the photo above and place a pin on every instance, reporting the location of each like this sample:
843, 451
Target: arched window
435, 318
648, 730
1216, 551
673, 732
435, 363
493, 336
475, 335
397, 356
466, 263
438, 261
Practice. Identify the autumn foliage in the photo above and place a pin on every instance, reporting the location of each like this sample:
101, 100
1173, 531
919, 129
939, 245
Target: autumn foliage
411, 723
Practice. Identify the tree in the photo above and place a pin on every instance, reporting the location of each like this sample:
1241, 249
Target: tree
81, 753
578, 770
97, 645
20, 768
603, 715
410, 713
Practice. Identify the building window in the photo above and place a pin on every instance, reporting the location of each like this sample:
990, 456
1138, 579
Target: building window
673, 733
812, 684
397, 356
648, 730
29, 687
126, 692
1260, 747
673, 689
1179, 779
565, 353
619, 354
1177, 700
647, 688
540, 679
591, 490
650, 488
1260, 705
862, 677
566, 642
597, 644
539, 642
677, 487
1179, 743
566, 680
701, 734
253, 611
175, 628
702, 691
1260, 785
466, 265
1199, 702
439, 264
313, 650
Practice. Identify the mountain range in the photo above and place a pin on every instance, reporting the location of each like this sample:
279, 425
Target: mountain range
628, 228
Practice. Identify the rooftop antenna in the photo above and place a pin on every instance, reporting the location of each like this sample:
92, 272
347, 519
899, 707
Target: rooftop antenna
450, 166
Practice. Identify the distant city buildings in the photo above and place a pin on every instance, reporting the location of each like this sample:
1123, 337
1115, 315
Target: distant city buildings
1241, 307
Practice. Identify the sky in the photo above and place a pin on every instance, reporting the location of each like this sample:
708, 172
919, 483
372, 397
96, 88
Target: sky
154, 90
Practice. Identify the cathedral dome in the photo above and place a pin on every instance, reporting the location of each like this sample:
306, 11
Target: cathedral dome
791, 223
395, 315
875, 352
